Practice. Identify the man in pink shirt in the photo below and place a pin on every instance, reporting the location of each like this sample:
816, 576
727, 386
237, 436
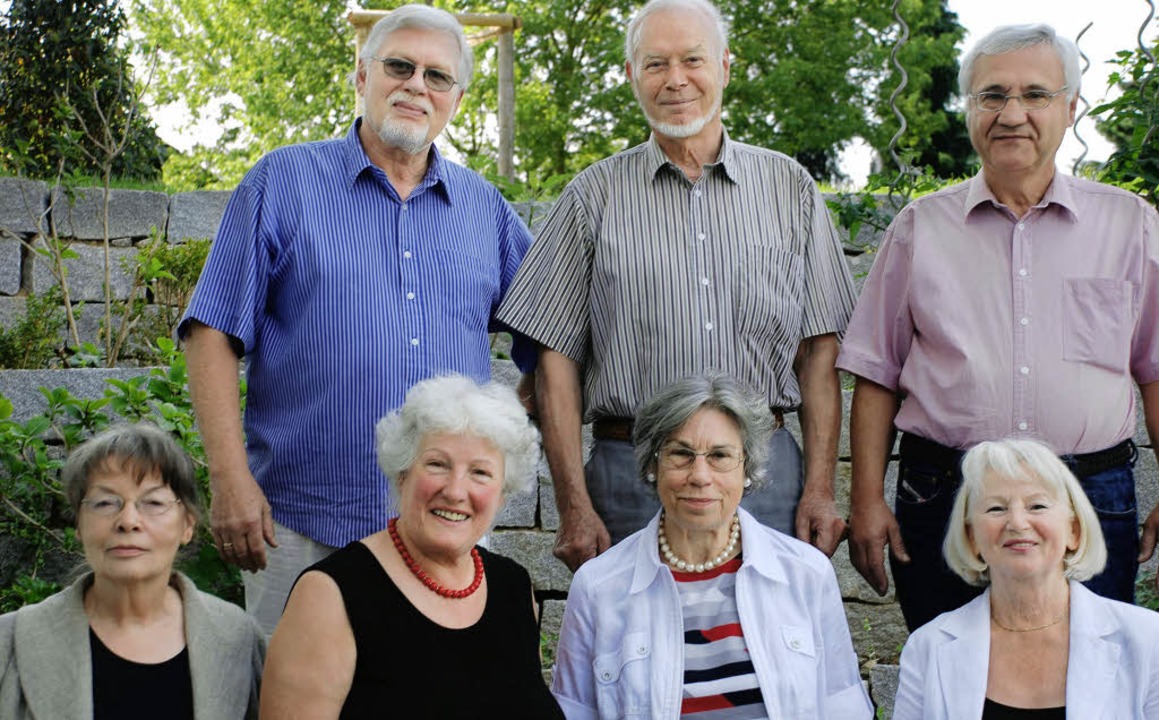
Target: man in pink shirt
1020, 303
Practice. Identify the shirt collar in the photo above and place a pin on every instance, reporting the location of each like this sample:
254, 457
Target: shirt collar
1060, 192
757, 555
656, 159
357, 162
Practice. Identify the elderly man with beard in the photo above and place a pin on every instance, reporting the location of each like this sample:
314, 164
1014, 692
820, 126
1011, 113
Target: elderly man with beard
688, 253
345, 271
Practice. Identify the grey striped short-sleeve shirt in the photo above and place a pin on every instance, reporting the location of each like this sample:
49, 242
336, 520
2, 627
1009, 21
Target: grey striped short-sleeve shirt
643, 277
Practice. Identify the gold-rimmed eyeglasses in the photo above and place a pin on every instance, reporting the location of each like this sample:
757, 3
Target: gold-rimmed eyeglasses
678, 457
110, 505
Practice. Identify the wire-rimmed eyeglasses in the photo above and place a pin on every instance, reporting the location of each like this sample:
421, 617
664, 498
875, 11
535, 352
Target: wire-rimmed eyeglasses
400, 69
678, 457
1031, 100
108, 505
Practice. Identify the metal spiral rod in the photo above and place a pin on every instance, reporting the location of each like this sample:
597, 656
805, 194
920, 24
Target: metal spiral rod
1086, 105
903, 167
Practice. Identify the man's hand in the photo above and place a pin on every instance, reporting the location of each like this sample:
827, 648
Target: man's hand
819, 523
580, 538
872, 526
241, 521
1150, 535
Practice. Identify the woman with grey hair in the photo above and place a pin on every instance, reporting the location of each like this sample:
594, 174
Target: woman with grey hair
1036, 644
132, 638
705, 608
418, 613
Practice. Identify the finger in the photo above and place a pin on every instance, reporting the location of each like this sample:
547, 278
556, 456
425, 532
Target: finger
1147, 543
804, 527
896, 544
255, 549
268, 527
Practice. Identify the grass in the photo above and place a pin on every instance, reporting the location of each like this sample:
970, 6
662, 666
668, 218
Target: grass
1145, 593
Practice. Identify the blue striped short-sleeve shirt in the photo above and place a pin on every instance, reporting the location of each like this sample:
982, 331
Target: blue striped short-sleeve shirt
343, 296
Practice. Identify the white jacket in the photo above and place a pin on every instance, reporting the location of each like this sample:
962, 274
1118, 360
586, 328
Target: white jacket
1112, 671
621, 645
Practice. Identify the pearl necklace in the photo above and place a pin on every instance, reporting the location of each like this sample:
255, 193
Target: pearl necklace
429, 581
670, 557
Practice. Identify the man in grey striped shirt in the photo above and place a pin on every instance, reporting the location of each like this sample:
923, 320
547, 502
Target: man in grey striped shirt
689, 252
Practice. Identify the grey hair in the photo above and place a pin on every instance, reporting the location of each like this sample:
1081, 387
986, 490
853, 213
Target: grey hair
1021, 459
456, 404
704, 7
421, 17
142, 448
1012, 38
670, 408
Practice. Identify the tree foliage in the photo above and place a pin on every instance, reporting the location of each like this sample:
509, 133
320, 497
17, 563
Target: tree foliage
808, 76
1131, 121
63, 67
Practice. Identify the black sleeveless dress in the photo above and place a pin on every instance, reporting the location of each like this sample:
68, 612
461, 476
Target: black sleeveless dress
408, 664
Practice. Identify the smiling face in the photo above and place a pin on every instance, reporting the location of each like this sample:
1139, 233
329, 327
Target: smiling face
450, 495
406, 114
698, 499
678, 75
1021, 528
1014, 141
129, 546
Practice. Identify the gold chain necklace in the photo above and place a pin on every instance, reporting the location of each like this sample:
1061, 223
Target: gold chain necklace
1052, 623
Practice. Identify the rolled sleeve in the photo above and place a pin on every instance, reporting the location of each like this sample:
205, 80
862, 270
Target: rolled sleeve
1145, 343
230, 294
880, 333
549, 299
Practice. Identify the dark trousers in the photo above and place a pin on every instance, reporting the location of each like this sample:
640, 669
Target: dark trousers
626, 503
929, 476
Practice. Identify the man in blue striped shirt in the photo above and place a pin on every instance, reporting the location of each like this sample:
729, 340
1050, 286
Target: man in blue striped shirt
344, 272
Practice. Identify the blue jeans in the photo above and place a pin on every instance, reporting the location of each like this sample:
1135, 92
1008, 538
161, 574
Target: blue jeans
926, 587
626, 503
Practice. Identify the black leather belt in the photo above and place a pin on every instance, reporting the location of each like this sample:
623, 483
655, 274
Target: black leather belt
1083, 465
618, 428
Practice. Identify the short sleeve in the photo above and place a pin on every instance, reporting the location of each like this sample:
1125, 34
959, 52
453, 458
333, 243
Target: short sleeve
514, 242
1145, 343
829, 295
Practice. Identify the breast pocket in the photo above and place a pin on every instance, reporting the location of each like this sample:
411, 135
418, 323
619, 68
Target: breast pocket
1098, 322
623, 678
800, 671
768, 290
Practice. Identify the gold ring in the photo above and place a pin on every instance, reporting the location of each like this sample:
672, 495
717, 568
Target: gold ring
226, 545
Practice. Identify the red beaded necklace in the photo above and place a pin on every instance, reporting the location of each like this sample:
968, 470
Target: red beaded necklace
429, 581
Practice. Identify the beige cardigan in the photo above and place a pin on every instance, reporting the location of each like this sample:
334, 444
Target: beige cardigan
46, 665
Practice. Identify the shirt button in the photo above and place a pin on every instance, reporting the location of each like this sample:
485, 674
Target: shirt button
796, 644
696, 193
410, 296
1021, 226
1024, 370
641, 650
708, 326
1022, 272
704, 282
1022, 425
406, 253
606, 675
404, 207
1024, 321
701, 236
414, 341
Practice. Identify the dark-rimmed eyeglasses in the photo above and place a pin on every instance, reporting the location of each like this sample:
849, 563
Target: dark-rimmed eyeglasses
1031, 100
400, 69
679, 457
110, 505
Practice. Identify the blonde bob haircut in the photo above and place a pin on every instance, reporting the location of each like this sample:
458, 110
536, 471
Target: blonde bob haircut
1021, 459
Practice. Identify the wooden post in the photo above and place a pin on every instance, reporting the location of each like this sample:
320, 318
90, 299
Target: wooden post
507, 104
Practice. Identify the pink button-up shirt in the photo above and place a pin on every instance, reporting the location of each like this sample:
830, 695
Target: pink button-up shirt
993, 326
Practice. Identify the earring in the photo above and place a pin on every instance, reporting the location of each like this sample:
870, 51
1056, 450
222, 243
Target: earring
748, 482
650, 478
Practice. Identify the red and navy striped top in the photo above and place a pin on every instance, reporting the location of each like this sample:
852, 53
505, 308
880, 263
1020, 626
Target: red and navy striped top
719, 680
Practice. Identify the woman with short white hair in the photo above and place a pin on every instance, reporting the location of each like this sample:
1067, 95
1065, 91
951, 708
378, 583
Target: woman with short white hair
1036, 644
416, 620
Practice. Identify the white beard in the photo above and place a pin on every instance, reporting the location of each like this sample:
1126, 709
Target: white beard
411, 139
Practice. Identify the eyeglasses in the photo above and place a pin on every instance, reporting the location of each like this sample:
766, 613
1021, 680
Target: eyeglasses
400, 69
678, 457
993, 102
111, 505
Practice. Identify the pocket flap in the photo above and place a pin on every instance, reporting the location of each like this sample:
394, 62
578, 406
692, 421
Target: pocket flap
607, 666
798, 640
